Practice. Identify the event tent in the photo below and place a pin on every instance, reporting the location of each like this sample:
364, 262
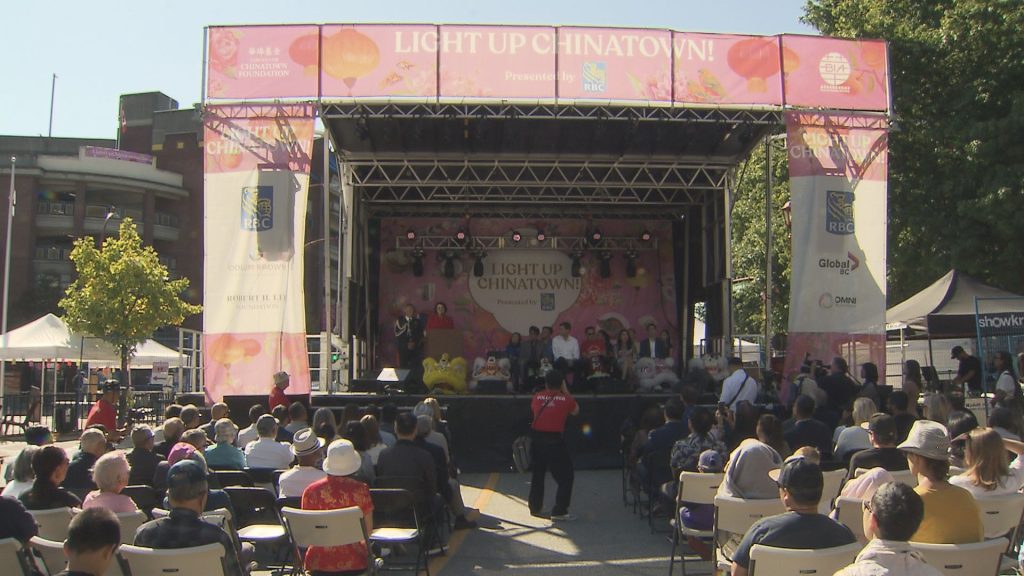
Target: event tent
946, 309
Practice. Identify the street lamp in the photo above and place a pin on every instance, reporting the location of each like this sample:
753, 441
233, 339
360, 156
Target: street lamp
7, 275
111, 214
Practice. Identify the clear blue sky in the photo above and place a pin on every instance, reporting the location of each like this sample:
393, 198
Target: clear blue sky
103, 48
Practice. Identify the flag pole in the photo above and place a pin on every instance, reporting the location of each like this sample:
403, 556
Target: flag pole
7, 279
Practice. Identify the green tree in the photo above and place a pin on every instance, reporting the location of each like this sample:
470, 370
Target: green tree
956, 164
122, 292
749, 241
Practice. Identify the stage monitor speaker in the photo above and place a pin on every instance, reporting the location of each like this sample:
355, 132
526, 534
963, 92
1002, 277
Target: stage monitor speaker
365, 385
393, 376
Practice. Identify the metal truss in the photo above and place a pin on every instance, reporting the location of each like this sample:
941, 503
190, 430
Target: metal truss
567, 111
564, 243
526, 211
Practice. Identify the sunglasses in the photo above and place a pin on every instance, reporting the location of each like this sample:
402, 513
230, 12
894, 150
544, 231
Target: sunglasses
867, 505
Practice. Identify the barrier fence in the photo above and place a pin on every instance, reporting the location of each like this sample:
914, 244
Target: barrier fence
65, 412
1000, 326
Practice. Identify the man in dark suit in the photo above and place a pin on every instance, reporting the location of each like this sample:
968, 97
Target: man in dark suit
405, 458
653, 347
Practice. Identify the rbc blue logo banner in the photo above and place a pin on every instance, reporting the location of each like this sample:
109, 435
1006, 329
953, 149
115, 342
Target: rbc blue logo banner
257, 208
839, 212
595, 77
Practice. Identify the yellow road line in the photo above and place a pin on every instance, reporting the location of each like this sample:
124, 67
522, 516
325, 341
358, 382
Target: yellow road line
438, 563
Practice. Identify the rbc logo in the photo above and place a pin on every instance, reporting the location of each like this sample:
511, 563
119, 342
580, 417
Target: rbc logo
595, 76
257, 208
839, 212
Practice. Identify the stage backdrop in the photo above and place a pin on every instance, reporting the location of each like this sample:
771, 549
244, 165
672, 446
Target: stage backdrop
524, 287
256, 183
837, 167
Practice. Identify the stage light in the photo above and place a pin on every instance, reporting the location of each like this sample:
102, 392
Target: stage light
516, 237
595, 237
449, 263
410, 234
478, 266
577, 265
417, 262
606, 266
541, 236
461, 237
631, 257
362, 128
645, 236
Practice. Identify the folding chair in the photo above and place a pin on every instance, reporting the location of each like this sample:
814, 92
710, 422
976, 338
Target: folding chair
13, 553
258, 520
850, 513
658, 465
11, 414
196, 560
145, 497
977, 559
395, 521
53, 523
328, 528
430, 518
261, 475
736, 516
1001, 515
824, 561
833, 483
228, 478
694, 488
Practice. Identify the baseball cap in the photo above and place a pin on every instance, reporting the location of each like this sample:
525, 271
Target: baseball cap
882, 425
957, 350
111, 386
710, 461
185, 473
800, 476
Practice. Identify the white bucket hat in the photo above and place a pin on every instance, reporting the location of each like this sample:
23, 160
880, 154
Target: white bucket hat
928, 439
342, 459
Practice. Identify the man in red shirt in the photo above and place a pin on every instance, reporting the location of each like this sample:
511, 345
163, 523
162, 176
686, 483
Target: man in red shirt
104, 411
277, 397
551, 407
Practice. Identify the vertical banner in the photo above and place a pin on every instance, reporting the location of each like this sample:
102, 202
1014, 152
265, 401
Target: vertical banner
257, 165
838, 171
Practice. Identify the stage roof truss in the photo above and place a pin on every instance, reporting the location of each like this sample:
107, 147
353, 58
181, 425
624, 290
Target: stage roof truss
563, 243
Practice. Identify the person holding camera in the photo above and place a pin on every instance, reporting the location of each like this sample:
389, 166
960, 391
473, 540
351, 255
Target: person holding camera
551, 407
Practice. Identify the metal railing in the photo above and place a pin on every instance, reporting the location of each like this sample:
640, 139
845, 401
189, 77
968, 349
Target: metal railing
66, 412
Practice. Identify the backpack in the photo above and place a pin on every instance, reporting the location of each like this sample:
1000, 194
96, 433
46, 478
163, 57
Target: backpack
521, 453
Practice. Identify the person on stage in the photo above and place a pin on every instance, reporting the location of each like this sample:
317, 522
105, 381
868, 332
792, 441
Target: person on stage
277, 397
104, 412
551, 408
409, 337
440, 318
625, 355
653, 347
565, 350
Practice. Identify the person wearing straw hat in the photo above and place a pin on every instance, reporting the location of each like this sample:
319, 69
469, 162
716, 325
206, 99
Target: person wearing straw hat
339, 490
309, 450
950, 514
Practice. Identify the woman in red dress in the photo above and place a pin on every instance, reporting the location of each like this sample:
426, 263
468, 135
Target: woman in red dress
440, 318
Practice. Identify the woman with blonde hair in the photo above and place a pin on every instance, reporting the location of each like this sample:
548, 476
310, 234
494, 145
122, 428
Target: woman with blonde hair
375, 444
324, 425
110, 473
989, 473
853, 439
936, 408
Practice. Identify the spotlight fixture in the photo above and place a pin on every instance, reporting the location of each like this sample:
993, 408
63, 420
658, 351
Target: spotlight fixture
516, 237
631, 257
577, 264
595, 237
461, 236
541, 236
410, 234
645, 236
417, 262
449, 263
478, 266
606, 267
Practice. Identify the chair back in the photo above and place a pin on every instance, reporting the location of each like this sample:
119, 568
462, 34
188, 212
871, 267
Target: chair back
394, 507
698, 488
325, 527
289, 502
736, 515
221, 517
411, 483
850, 513
261, 475
823, 562
180, 561
1001, 515
977, 559
905, 476
659, 468
228, 478
13, 553
53, 523
253, 506
130, 522
145, 497
833, 482
51, 552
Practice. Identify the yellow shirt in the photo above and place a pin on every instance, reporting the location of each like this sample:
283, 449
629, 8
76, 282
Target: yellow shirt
950, 516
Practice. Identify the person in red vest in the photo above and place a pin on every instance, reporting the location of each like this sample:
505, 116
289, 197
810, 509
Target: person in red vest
104, 412
277, 397
551, 407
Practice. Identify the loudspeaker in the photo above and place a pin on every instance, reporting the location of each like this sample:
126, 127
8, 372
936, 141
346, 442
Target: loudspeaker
366, 385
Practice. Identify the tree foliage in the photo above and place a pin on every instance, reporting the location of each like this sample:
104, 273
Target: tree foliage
956, 166
122, 293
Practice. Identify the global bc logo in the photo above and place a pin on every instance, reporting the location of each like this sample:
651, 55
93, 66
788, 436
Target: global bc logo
839, 212
257, 208
827, 301
839, 265
595, 77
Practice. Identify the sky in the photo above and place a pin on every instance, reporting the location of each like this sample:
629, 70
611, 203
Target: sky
104, 48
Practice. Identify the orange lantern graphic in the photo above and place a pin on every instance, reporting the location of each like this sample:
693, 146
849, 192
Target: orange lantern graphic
755, 59
304, 51
349, 55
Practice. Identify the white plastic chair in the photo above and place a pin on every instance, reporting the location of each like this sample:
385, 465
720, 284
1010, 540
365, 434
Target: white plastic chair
736, 516
850, 513
1001, 515
130, 522
196, 560
12, 554
977, 559
53, 523
695, 488
905, 476
833, 482
825, 561
327, 528
51, 552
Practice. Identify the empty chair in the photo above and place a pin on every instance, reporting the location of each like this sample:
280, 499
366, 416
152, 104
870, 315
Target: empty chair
977, 559
833, 483
736, 516
395, 522
823, 561
232, 478
258, 520
1001, 515
327, 528
181, 561
53, 523
695, 488
850, 513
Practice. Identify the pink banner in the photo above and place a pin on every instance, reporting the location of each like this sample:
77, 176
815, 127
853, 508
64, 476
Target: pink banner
497, 62
262, 62
839, 74
614, 64
365, 61
727, 69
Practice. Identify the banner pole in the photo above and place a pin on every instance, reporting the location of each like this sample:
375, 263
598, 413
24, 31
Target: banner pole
768, 253
7, 276
326, 348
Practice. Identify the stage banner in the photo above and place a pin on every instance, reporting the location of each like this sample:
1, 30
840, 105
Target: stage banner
727, 69
497, 62
379, 60
614, 64
838, 171
245, 62
527, 284
833, 73
257, 162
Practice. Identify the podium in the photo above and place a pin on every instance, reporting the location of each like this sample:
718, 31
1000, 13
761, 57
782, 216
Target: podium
443, 341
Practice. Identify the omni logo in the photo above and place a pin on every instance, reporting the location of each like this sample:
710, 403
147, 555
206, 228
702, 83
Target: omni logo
828, 301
